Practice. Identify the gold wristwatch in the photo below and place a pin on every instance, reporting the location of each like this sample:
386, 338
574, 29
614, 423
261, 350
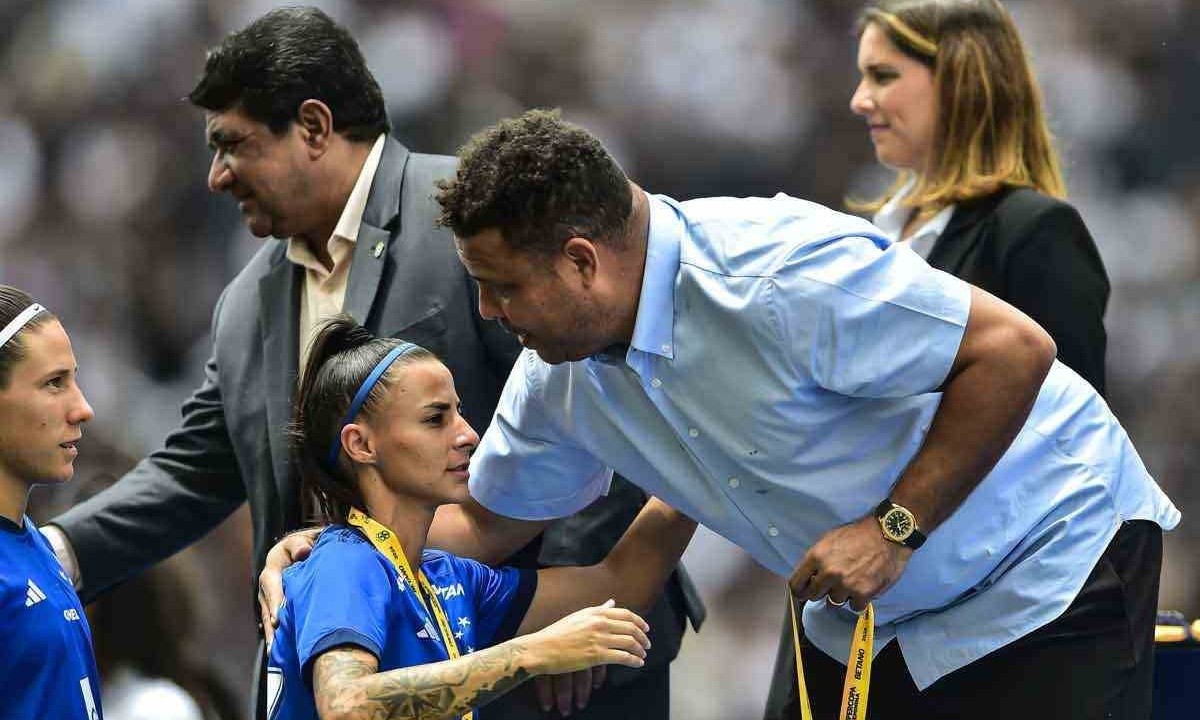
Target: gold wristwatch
899, 525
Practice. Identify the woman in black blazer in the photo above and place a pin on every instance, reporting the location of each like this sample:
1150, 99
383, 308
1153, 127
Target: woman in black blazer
979, 192
951, 104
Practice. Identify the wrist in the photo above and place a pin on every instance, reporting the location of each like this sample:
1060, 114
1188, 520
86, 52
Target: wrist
899, 525
533, 656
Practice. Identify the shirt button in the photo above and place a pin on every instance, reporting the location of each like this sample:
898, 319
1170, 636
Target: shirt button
666, 348
773, 531
656, 382
693, 432
734, 482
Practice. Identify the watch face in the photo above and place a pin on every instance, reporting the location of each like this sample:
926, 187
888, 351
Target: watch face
898, 524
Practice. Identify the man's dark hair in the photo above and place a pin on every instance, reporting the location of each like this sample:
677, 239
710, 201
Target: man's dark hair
285, 57
539, 180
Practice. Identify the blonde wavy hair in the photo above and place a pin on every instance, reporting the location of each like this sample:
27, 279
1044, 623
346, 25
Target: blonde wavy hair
991, 131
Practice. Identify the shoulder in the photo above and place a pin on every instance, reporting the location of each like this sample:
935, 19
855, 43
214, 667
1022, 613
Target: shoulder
341, 551
242, 292
759, 236
15, 558
434, 165
1023, 210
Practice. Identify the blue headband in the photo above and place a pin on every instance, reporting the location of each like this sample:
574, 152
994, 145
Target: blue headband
364, 390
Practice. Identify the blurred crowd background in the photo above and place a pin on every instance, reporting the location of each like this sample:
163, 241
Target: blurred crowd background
105, 217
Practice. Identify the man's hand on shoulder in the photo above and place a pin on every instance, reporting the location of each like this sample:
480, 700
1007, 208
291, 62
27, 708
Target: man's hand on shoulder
64, 552
293, 548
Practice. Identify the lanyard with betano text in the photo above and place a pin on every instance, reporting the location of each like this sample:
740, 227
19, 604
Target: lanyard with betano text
386, 543
858, 666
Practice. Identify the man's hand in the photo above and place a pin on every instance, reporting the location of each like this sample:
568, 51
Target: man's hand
291, 549
853, 562
567, 691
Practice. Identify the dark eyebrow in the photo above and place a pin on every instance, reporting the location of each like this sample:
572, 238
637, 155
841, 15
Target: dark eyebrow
220, 136
58, 372
439, 405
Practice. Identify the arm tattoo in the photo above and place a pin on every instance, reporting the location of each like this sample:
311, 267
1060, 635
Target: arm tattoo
347, 685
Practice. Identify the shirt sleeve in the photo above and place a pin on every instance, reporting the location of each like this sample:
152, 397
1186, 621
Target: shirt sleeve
343, 602
870, 319
501, 598
524, 466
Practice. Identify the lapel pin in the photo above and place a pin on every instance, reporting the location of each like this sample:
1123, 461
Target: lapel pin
379, 248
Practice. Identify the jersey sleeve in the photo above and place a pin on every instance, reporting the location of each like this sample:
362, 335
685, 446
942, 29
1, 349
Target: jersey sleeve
501, 598
343, 600
870, 320
524, 466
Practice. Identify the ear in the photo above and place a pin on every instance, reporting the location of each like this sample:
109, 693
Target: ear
315, 122
584, 257
358, 443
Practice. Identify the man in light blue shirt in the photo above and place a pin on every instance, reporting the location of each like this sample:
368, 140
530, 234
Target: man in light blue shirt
823, 398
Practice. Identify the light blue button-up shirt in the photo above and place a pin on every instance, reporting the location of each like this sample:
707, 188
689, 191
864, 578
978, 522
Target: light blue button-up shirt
781, 375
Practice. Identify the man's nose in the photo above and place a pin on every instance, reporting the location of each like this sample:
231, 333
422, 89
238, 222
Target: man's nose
489, 309
219, 175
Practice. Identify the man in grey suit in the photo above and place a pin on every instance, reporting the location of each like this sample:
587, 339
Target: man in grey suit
299, 134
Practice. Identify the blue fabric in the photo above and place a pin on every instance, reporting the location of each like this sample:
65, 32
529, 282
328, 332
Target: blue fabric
47, 665
783, 372
346, 592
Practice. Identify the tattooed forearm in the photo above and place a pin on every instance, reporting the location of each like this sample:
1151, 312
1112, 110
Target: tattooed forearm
347, 686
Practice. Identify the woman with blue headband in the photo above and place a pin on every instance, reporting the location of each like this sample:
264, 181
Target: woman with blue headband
46, 662
375, 625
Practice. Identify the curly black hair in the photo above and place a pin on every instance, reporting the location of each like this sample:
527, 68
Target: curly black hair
285, 57
539, 180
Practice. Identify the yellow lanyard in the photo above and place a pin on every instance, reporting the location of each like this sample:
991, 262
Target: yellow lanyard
386, 543
858, 667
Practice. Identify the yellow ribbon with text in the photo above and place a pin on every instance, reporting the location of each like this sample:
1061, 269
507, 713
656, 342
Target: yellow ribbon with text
858, 666
386, 543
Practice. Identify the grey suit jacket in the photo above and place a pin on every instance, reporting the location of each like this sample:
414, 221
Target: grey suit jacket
231, 445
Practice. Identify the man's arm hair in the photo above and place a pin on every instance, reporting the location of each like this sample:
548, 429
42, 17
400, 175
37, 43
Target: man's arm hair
348, 686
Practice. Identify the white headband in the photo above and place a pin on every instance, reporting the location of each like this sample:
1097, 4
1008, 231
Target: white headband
19, 322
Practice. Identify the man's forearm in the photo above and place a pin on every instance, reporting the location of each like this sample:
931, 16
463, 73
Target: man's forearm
471, 530
647, 553
348, 687
633, 574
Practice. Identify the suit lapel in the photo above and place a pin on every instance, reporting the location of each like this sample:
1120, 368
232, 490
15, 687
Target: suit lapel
955, 243
380, 223
279, 311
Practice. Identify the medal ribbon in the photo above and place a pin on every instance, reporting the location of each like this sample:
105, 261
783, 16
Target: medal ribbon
858, 666
386, 543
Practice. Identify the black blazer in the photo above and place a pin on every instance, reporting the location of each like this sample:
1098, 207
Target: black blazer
1035, 253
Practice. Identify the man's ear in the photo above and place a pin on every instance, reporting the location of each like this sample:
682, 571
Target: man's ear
358, 443
315, 122
584, 258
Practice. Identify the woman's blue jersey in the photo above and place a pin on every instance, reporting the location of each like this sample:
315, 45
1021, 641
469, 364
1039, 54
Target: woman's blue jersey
47, 669
347, 593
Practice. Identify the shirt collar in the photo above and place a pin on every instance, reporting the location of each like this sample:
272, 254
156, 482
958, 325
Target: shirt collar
891, 217
653, 331
350, 221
